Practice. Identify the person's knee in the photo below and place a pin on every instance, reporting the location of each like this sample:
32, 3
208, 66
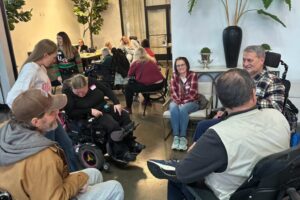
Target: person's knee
95, 176
173, 106
117, 189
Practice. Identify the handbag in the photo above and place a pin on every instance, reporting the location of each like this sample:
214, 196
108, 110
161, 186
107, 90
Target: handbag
202, 101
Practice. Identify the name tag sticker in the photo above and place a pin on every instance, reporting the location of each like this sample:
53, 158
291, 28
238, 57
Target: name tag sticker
92, 87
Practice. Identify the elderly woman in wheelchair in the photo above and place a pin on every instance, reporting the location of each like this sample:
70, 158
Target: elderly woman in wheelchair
85, 101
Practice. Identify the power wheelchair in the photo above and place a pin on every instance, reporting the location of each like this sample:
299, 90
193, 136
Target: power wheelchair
275, 177
91, 142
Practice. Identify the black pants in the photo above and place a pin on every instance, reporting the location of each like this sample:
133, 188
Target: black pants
109, 122
133, 88
67, 73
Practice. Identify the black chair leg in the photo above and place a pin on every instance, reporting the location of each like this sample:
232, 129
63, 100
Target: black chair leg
145, 107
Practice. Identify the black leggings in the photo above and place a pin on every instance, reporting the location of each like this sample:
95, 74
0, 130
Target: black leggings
133, 88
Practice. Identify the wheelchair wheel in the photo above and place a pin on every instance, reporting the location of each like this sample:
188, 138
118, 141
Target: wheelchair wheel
91, 156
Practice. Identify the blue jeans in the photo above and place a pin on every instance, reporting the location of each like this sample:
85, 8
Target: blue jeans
180, 117
60, 136
202, 126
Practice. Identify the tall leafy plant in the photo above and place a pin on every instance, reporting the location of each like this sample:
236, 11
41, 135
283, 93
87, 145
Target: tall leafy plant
15, 13
240, 10
88, 13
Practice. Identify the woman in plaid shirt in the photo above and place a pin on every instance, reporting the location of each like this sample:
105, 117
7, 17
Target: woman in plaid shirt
184, 94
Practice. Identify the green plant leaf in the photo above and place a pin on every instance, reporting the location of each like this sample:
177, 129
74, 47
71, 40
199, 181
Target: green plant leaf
191, 5
274, 17
289, 3
267, 3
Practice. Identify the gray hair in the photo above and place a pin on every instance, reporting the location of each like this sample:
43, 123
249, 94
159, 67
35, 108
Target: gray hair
260, 52
105, 50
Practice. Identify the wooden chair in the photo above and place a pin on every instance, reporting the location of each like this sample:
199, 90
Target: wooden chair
205, 88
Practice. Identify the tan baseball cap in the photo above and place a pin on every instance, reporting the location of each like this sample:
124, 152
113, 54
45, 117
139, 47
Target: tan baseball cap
34, 102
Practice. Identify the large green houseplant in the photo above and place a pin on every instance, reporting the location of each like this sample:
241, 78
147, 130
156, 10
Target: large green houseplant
89, 12
241, 8
232, 34
15, 12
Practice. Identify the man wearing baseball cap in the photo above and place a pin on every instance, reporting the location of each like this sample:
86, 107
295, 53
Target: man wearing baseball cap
34, 167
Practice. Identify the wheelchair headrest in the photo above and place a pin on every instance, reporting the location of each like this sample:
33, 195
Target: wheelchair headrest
272, 59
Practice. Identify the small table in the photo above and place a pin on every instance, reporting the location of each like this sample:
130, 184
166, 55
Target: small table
88, 57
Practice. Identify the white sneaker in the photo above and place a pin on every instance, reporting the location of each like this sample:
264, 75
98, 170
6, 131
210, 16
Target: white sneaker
175, 143
182, 144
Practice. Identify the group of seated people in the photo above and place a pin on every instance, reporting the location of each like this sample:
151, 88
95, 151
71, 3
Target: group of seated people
31, 141
226, 148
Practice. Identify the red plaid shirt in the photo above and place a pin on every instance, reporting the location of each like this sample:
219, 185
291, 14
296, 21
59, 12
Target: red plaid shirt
185, 92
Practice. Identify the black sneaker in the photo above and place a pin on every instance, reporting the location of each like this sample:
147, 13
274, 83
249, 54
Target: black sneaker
129, 157
137, 147
163, 169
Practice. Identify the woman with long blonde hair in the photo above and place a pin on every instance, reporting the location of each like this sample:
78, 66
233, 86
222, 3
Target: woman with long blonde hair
147, 77
33, 74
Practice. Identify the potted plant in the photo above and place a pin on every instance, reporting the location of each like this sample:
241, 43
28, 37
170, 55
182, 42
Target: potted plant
89, 12
232, 35
266, 47
205, 53
205, 56
15, 13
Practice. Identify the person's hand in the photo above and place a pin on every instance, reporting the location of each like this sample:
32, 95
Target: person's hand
192, 146
219, 114
96, 113
84, 188
59, 79
118, 108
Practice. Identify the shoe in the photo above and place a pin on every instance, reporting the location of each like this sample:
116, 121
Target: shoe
163, 169
129, 157
128, 110
138, 147
182, 144
175, 144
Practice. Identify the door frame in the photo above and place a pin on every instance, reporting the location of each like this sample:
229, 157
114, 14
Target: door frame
167, 8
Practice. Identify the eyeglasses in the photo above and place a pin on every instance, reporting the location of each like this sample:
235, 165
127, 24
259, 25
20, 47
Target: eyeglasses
182, 65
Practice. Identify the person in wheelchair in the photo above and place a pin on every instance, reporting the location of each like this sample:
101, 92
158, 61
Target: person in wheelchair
86, 100
226, 153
